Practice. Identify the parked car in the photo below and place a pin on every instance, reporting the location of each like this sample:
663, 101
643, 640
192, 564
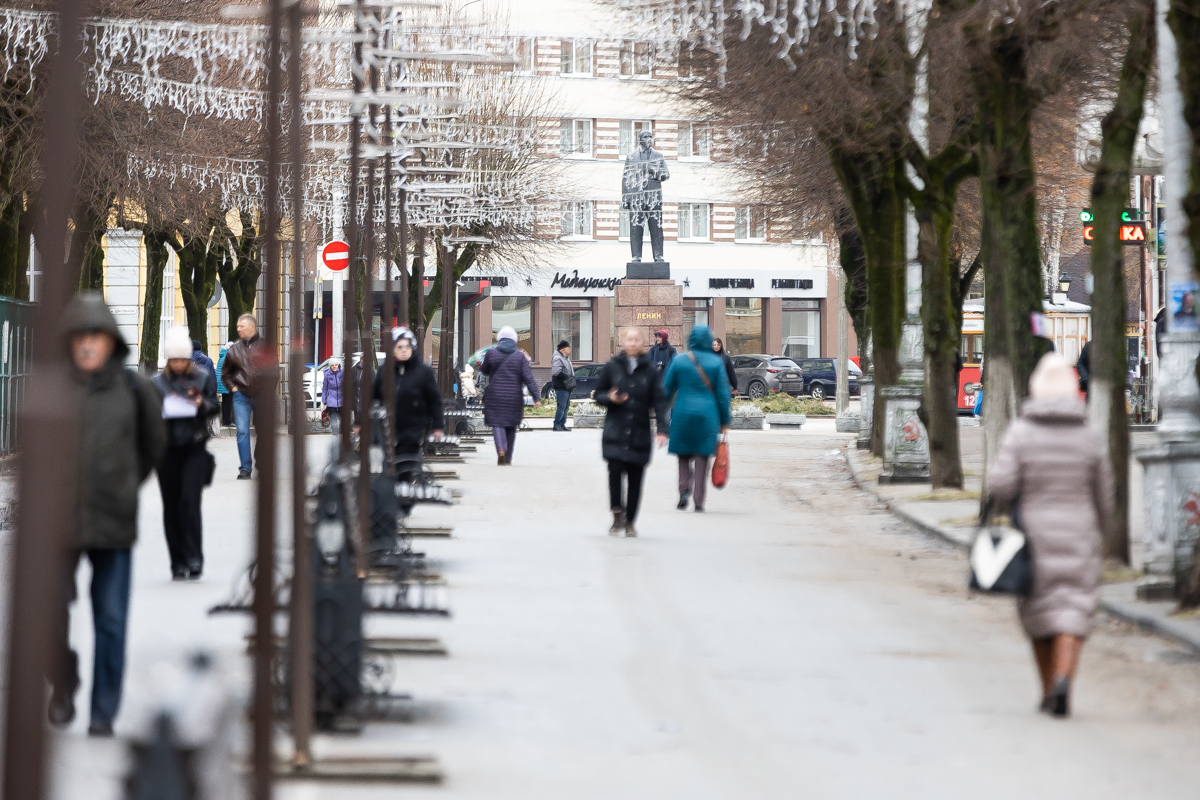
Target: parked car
586, 376
820, 377
760, 374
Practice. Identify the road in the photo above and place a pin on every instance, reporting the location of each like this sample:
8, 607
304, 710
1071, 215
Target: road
795, 640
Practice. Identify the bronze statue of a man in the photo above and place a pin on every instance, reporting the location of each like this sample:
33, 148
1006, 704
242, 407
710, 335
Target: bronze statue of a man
641, 195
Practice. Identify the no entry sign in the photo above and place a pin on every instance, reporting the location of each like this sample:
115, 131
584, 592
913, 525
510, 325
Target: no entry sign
336, 255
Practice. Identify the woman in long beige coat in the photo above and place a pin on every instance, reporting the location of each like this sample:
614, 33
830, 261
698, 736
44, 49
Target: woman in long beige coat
1053, 466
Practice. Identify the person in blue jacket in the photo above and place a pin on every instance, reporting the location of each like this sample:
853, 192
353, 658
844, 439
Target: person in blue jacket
698, 388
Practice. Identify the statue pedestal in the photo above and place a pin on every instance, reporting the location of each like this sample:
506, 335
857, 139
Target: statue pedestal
905, 443
648, 270
652, 304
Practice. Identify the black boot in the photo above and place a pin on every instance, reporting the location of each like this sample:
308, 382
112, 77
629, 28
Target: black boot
62, 699
683, 500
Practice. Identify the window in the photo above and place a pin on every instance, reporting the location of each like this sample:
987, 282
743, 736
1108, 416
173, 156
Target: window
577, 218
695, 312
743, 325
693, 140
576, 57
526, 50
689, 61
750, 224
636, 58
576, 137
802, 328
693, 221
571, 319
518, 312
627, 134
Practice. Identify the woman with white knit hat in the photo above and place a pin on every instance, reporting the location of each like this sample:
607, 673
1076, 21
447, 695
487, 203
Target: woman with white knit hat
189, 399
508, 370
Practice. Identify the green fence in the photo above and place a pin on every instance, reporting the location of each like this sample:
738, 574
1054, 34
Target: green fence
15, 364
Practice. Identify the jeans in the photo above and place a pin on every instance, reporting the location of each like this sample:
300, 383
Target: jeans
563, 398
111, 571
505, 439
633, 494
243, 409
181, 481
693, 477
335, 421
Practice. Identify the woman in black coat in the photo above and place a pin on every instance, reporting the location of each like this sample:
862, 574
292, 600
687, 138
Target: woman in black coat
418, 409
719, 349
630, 386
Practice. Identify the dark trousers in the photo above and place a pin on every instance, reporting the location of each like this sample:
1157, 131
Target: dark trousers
111, 570
563, 398
181, 477
654, 221
633, 492
227, 409
505, 439
693, 477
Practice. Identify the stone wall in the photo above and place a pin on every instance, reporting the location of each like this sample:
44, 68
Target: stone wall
651, 305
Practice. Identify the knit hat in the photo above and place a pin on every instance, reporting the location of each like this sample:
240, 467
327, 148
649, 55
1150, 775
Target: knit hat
507, 332
1054, 379
401, 332
178, 343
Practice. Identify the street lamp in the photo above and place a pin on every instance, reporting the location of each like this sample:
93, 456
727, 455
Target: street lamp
1064, 282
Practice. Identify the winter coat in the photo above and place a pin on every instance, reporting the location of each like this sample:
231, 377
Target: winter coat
661, 355
122, 438
189, 430
698, 413
730, 372
221, 387
418, 402
1083, 365
238, 367
503, 404
560, 370
332, 388
627, 434
1053, 465
201, 358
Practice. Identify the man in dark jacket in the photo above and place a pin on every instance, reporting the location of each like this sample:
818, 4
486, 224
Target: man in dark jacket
189, 399
418, 401
122, 439
662, 352
201, 358
1083, 365
562, 376
237, 373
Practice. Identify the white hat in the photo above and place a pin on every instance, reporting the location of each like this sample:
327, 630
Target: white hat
1054, 379
178, 343
507, 332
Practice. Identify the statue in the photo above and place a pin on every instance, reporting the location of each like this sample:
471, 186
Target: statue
641, 195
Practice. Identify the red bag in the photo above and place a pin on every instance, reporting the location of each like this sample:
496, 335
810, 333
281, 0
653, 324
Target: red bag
720, 470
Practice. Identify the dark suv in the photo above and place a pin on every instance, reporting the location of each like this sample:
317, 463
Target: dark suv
586, 377
759, 374
820, 377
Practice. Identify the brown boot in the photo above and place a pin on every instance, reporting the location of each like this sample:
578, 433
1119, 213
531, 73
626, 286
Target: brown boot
618, 522
630, 531
500, 458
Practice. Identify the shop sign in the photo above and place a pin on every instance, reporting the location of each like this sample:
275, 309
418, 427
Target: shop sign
731, 283
573, 281
499, 281
791, 283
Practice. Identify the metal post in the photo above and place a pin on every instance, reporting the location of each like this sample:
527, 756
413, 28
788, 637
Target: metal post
352, 238
403, 213
47, 516
266, 411
366, 428
302, 576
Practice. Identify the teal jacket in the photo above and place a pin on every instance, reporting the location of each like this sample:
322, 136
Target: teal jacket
698, 412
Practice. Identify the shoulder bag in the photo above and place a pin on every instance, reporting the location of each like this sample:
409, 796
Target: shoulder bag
1000, 559
720, 469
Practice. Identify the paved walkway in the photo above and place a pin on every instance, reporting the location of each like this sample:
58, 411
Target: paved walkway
797, 640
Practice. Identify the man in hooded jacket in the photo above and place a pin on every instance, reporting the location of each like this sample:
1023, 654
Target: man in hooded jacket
122, 438
662, 352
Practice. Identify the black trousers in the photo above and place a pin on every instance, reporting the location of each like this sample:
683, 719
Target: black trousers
633, 493
181, 481
653, 220
227, 409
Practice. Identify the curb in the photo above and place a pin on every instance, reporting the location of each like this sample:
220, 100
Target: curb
1144, 622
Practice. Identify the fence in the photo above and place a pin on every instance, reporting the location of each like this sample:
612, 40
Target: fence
15, 364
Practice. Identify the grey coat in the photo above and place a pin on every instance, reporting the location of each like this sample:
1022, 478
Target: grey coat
1055, 466
123, 437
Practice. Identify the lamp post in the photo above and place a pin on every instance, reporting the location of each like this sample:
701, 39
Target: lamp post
1064, 283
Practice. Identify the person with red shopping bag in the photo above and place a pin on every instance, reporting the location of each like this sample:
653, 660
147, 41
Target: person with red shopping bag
698, 388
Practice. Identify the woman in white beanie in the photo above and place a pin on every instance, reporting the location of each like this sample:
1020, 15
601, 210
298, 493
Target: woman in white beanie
189, 399
508, 370
1052, 470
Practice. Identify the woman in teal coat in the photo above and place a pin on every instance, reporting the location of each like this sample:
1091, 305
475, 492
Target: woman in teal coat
699, 413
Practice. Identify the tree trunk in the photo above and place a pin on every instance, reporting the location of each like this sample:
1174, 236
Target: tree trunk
10, 247
198, 262
416, 290
1110, 194
239, 274
853, 263
156, 263
449, 305
87, 251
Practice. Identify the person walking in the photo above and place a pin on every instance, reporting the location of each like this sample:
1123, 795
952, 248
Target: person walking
122, 438
189, 399
562, 377
663, 352
698, 389
730, 372
418, 409
629, 388
238, 374
332, 392
508, 370
226, 396
1083, 366
1051, 466
201, 358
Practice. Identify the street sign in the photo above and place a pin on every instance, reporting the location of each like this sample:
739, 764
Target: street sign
1132, 233
335, 255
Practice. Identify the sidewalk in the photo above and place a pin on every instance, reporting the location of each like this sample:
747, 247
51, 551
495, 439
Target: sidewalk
952, 515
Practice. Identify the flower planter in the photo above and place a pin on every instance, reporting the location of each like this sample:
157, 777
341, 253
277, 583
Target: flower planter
587, 415
786, 421
747, 422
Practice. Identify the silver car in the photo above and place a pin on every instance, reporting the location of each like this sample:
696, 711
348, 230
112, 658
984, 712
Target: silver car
761, 374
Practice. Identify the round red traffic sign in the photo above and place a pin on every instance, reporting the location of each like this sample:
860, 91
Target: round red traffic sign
336, 255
